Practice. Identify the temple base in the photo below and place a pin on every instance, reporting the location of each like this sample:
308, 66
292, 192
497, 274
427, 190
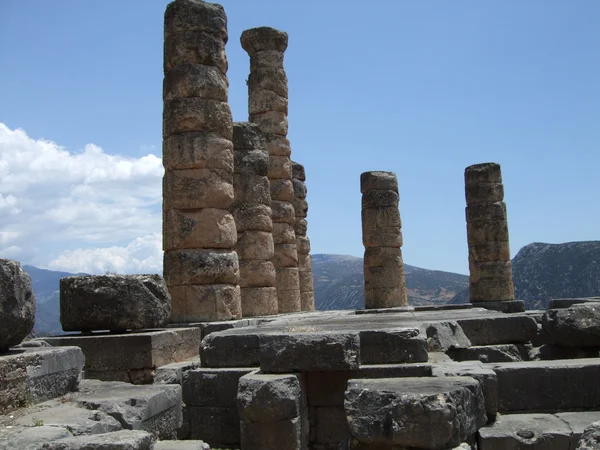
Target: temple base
505, 306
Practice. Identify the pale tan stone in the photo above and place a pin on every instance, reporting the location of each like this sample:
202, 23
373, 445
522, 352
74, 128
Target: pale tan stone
383, 277
283, 233
480, 231
495, 269
195, 80
483, 173
197, 188
383, 257
252, 217
266, 59
260, 102
490, 251
200, 266
196, 16
282, 212
385, 297
197, 114
286, 255
484, 193
384, 217
198, 151
194, 47
251, 189
300, 207
274, 122
280, 167
382, 237
300, 226
378, 181
255, 245
259, 301
277, 145
492, 289
282, 190
268, 79
205, 303
307, 301
306, 282
288, 279
303, 244
304, 262
260, 39
205, 228
488, 212
289, 301
256, 273
380, 198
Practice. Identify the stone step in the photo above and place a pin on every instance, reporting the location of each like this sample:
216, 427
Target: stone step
543, 431
548, 386
181, 445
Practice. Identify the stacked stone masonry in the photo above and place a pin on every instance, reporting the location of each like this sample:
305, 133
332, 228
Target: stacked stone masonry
487, 234
385, 284
268, 108
307, 293
199, 234
252, 213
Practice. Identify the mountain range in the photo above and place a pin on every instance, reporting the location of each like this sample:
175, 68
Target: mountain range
540, 272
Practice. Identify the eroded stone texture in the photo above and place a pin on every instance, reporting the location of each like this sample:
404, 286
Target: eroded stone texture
590, 439
487, 234
17, 304
113, 302
577, 326
385, 284
255, 245
198, 187
267, 108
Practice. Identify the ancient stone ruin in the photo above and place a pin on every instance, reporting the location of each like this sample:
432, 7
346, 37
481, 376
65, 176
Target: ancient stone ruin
211, 356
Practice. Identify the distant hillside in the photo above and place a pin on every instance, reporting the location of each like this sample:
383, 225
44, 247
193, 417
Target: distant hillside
339, 283
545, 271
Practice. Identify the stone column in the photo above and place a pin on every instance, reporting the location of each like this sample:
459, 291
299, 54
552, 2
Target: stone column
307, 294
252, 213
268, 107
199, 234
385, 285
490, 268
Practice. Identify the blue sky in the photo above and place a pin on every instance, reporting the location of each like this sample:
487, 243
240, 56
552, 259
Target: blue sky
422, 89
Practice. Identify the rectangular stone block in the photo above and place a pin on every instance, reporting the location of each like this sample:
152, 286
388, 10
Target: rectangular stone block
194, 47
384, 277
307, 300
230, 349
331, 425
197, 303
274, 122
303, 244
259, 301
205, 228
393, 346
286, 434
198, 151
185, 115
306, 282
385, 297
489, 251
217, 426
289, 301
499, 329
383, 257
257, 273
212, 387
280, 167
492, 289
383, 237
482, 231
282, 189
197, 188
255, 245
490, 270
283, 233
487, 212
282, 212
378, 198
381, 217
484, 193
287, 279
304, 263
200, 266
250, 188
132, 357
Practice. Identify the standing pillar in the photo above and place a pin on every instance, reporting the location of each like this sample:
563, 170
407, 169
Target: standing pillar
252, 212
268, 107
307, 294
385, 284
199, 234
490, 285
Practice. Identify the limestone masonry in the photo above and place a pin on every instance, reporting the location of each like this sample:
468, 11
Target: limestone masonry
227, 352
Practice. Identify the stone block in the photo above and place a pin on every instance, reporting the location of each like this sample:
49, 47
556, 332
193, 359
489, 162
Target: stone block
230, 349
443, 336
277, 145
196, 16
261, 39
198, 151
286, 255
484, 193
17, 304
491, 231
252, 216
268, 79
255, 245
119, 440
283, 233
383, 257
181, 445
525, 431
577, 326
590, 438
197, 188
428, 413
274, 122
282, 212
194, 80
490, 251
393, 346
499, 329
207, 387
483, 173
217, 426
492, 290
204, 228
132, 357
200, 266
307, 300
259, 301
298, 171
251, 162
378, 181
385, 297
287, 279
381, 217
382, 237
306, 282
487, 353
250, 188
285, 434
551, 352
194, 47
300, 226
152, 408
303, 244
505, 306
261, 102
331, 425
30, 438
270, 398
174, 373
248, 136
197, 303
35, 375
300, 207
282, 190
380, 198
497, 269
578, 422
384, 277
557, 303
289, 301
486, 212
301, 352
256, 273
185, 115
299, 187
304, 263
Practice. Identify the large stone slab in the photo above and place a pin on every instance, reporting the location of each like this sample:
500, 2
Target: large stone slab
301, 352
420, 413
556, 303
577, 326
578, 422
119, 440
153, 408
34, 375
405, 345
181, 445
499, 329
17, 304
132, 357
208, 387
229, 349
548, 386
590, 439
30, 438
442, 336
487, 353
174, 373
216, 425
114, 302
524, 431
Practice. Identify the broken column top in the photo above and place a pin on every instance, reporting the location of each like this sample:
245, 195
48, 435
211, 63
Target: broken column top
483, 173
196, 15
378, 180
260, 39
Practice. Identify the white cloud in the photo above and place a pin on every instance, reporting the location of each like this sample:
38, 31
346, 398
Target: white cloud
60, 208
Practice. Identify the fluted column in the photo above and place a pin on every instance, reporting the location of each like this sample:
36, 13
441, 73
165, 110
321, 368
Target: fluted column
268, 107
199, 234
307, 294
491, 285
385, 284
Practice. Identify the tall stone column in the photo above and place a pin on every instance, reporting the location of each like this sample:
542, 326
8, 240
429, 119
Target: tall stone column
385, 284
199, 234
268, 108
307, 294
491, 285
252, 213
